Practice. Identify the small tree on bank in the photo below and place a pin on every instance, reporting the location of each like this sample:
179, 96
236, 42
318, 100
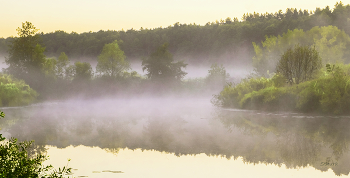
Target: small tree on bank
82, 72
111, 61
217, 77
160, 65
299, 64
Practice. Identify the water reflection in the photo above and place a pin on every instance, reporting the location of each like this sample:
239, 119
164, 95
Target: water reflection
187, 127
295, 140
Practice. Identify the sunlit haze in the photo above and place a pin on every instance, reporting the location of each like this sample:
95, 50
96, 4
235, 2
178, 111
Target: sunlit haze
83, 16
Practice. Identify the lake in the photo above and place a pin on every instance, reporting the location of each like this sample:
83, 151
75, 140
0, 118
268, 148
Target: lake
180, 137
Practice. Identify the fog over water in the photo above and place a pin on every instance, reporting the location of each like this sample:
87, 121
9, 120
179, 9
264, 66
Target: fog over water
151, 134
179, 127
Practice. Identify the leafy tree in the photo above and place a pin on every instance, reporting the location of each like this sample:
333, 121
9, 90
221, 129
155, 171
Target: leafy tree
49, 68
82, 71
70, 72
299, 64
62, 64
26, 57
335, 95
111, 61
217, 76
331, 44
25, 53
266, 58
161, 66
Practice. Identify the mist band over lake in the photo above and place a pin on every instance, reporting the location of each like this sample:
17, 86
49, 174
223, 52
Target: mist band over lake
155, 136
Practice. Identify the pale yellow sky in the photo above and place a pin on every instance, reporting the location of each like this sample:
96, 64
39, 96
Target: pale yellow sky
87, 15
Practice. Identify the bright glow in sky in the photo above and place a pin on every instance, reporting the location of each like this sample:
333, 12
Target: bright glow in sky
92, 15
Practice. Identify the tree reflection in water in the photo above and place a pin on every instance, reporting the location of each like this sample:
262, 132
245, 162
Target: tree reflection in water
271, 138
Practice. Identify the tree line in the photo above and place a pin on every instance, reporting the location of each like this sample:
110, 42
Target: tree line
31, 73
299, 83
228, 39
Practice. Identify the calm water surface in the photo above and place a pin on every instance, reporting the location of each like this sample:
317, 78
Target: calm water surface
177, 137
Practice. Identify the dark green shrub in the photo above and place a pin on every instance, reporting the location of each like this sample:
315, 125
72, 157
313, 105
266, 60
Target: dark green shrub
15, 161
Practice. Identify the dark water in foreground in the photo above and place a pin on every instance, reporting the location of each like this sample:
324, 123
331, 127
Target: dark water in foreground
181, 138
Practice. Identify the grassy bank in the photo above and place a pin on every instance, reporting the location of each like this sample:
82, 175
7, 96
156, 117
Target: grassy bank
328, 93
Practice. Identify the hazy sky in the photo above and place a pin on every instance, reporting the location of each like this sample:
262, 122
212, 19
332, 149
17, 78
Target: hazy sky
93, 15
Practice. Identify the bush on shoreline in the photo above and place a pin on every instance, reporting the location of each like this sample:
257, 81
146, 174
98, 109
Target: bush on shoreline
14, 92
328, 93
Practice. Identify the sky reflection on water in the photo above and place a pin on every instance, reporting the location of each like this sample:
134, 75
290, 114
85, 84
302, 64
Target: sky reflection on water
151, 163
181, 138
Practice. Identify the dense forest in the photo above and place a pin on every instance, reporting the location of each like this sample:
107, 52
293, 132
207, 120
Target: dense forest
223, 41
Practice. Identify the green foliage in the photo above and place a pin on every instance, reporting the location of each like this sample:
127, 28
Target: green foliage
198, 42
278, 80
82, 71
26, 56
228, 39
38, 58
299, 64
15, 92
70, 72
336, 90
270, 98
16, 162
257, 93
160, 66
231, 95
329, 93
26, 59
50, 68
62, 64
27, 30
331, 44
111, 61
329, 41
